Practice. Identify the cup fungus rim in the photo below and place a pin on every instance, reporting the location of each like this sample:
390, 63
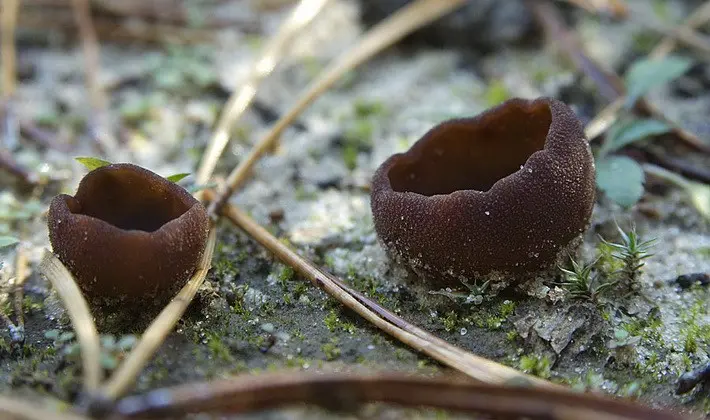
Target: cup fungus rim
416, 152
146, 176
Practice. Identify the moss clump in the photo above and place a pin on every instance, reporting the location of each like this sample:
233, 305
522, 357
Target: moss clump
536, 365
331, 349
333, 323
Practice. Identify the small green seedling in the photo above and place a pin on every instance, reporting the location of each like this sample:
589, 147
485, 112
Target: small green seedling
474, 295
581, 283
632, 251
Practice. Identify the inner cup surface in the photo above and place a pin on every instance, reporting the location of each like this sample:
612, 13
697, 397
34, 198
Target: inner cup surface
473, 154
131, 200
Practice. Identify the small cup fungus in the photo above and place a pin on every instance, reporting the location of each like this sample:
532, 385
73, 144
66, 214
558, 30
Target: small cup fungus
128, 233
507, 192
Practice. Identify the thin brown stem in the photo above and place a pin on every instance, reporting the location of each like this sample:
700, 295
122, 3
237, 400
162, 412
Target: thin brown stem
9, 164
98, 122
386, 33
615, 8
696, 19
609, 84
158, 330
240, 99
476, 367
345, 391
608, 116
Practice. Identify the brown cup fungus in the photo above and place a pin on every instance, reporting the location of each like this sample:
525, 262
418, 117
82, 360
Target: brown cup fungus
128, 233
508, 192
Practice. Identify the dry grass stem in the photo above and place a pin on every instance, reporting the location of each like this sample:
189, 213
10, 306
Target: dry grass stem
98, 126
21, 274
685, 36
11, 166
608, 83
109, 28
80, 316
15, 409
240, 99
615, 8
609, 115
474, 366
161, 326
345, 391
9, 56
386, 33
696, 19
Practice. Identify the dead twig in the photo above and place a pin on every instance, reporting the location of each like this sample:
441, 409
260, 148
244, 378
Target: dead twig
476, 367
98, 118
609, 114
685, 36
81, 318
696, 19
156, 332
384, 34
609, 84
42, 137
21, 274
47, 22
617, 9
8, 22
345, 391
240, 99
8, 163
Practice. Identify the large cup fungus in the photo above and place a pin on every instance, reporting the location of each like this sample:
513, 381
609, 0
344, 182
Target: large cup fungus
507, 192
128, 233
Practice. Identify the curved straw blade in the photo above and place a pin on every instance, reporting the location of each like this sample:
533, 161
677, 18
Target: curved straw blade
161, 326
344, 391
81, 318
8, 21
277, 47
13, 408
386, 33
474, 366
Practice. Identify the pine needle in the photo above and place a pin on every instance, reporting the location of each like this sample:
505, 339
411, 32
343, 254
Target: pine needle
240, 99
386, 33
80, 316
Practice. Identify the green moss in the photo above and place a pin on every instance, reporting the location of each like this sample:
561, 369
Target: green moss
331, 349
286, 274
333, 323
450, 321
366, 108
506, 308
350, 154
402, 354
496, 92
536, 365
218, 349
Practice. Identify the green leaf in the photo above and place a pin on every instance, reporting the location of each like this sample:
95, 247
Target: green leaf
177, 177
628, 132
92, 163
645, 74
621, 179
7, 241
